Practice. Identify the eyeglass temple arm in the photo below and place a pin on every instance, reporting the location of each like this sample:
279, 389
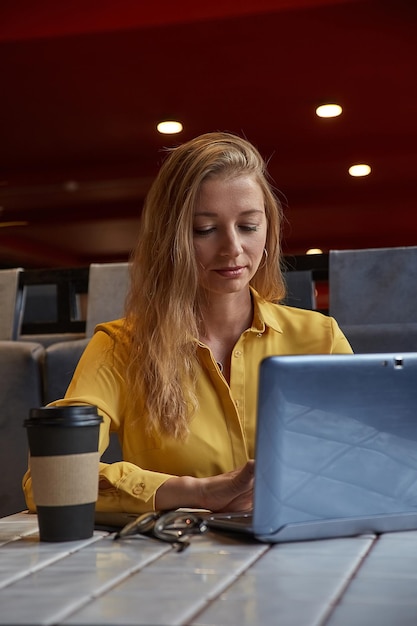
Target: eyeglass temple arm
142, 524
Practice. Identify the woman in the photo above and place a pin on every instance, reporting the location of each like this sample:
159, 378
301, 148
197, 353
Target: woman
177, 378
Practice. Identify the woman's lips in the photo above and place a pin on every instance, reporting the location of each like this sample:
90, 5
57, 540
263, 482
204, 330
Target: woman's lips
231, 272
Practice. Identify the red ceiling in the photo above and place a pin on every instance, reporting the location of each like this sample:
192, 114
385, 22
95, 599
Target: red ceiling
25, 19
84, 83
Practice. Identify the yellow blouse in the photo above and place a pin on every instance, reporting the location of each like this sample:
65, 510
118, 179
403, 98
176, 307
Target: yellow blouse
222, 432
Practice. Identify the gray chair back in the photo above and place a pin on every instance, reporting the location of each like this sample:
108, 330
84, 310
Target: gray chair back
373, 286
11, 302
300, 289
61, 359
108, 284
20, 390
373, 296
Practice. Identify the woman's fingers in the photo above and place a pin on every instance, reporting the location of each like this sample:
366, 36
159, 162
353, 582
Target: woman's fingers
232, 491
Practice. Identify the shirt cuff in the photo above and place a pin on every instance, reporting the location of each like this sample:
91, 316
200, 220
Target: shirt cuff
132, 487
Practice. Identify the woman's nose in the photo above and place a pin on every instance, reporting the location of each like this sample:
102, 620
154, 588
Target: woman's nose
231, 244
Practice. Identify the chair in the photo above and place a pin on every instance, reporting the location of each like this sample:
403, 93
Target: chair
108, 284
373, 296
107, 288
300, 289
52, 304
382, 337
61, 359
20, 390
11, 302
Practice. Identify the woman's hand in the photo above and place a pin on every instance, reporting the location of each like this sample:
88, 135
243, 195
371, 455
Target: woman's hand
232, 491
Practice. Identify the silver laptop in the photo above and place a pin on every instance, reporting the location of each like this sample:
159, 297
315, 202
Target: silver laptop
336, 448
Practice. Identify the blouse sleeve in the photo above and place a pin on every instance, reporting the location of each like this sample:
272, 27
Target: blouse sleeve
98, 381
340, 344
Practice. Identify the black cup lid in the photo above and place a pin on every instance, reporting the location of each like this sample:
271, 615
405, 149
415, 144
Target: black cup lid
76, 415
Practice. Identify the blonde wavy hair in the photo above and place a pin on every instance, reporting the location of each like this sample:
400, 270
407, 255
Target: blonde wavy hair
162, 312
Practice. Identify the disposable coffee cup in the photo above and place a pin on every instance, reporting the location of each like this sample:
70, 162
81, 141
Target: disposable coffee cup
64, 465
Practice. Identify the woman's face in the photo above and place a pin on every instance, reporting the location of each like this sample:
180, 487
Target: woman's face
229, 233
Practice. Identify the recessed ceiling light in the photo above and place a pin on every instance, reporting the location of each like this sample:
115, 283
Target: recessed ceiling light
314, 251
361, 169
329, 110
169, 127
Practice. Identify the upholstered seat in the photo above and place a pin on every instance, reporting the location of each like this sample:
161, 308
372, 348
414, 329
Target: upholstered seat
300, 289
107, 289
20, 390
373, 296
10, 304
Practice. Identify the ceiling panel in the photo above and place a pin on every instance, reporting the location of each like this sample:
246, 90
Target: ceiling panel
84, 84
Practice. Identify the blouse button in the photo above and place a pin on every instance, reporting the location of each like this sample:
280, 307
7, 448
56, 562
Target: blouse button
138, 489
238, 353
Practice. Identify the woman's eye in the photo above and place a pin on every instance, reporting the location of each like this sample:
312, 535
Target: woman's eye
249, 228
207, 230
201, 232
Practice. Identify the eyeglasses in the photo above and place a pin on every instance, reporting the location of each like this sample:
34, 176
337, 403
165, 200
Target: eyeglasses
174, 527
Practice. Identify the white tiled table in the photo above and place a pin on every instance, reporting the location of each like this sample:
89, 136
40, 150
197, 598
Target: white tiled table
217, 581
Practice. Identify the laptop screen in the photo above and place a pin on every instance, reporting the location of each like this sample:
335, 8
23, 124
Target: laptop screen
336, 439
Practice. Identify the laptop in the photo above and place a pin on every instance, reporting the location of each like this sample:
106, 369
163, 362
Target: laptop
336, 448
